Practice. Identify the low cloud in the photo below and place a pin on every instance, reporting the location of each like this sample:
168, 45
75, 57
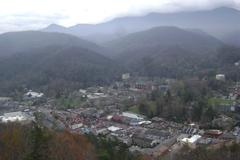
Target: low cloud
27, 21
34, 14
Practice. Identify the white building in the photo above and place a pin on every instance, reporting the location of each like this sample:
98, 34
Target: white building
125, 76
114, 129
32, 94
132, 115
15, 116
191, 142
144, 122
76, 126
220, 77
83, 91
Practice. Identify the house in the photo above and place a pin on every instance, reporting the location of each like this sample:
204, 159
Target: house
213, 133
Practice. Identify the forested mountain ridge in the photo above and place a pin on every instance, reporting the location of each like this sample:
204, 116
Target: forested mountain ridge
17, 42
165, 51
52, 61
63, 62
165, 37
218, 22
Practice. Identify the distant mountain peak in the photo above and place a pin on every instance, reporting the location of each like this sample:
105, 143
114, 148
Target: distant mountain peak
55, 27
218, 22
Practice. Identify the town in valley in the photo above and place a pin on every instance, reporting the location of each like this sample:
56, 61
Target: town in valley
117, 112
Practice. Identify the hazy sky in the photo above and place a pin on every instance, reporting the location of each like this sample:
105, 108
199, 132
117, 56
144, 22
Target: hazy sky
34, 14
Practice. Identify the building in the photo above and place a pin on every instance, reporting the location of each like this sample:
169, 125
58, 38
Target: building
15, 116
114, 129
125, 76
76, 126
143, 141
191, 142
181, 137
132, 115
214, 133
31, 94
220, 77
150, 138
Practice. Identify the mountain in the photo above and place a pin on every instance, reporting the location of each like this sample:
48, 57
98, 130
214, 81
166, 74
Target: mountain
217, 22
164, 49
14, 42
56, 28
155, 39
233, 39
52, 62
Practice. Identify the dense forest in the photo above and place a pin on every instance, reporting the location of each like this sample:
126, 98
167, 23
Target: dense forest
187, 100
60, 64
63, 63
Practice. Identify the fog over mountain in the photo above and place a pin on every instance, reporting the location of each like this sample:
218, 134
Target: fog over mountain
39, 60
162, 51
164, 37
218, 22
34, 14
16, 42
172, 43
233, 38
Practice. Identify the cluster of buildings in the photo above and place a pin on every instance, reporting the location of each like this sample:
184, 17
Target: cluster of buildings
129, 128
102, 113
16, 111
154, 136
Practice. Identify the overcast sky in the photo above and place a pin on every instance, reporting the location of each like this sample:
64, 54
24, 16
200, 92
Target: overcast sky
35, 14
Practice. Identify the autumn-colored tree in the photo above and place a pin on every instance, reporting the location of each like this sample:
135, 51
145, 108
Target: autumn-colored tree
13, 143
33, 142
68, 146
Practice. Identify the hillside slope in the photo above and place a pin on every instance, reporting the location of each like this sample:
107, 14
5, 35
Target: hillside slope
159, 38
52, 62
163, 51
16, 42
